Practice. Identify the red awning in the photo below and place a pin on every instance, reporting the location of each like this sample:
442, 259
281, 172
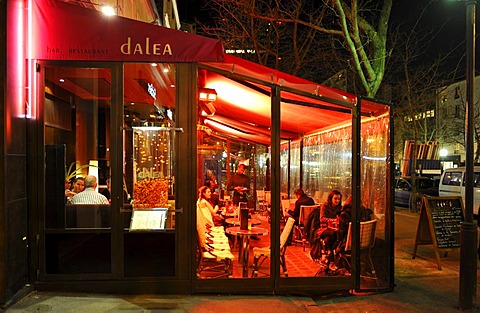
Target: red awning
243, 106
63, 31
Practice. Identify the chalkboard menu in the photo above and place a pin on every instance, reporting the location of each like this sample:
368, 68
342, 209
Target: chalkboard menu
447, 214
439, 224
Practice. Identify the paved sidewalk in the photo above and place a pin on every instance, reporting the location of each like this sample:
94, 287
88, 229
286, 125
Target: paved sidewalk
420, 287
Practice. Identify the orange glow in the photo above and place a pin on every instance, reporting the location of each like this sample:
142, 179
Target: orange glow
241, 97
207, 95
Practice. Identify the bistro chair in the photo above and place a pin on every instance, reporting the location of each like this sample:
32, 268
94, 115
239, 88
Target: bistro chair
367, 241
263, 253
285, 206
261, 201
214, 258
300, 236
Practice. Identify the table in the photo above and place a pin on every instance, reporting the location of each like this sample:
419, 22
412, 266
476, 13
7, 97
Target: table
244, 248
225, 214
236, 221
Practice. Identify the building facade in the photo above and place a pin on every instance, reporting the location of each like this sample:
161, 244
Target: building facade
120, 99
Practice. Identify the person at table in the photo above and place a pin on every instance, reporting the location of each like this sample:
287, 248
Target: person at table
318, 226
78, 186
302, 199
239, 183
90, 195
214, 198
107, 191
208, 211
345, 217
328, 218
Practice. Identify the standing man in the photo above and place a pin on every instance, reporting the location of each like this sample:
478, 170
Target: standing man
240, 184
89, 195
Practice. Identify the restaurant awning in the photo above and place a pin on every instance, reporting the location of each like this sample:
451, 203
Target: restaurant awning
243, 105
65, 31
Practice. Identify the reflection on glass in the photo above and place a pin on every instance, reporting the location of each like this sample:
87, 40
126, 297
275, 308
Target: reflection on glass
149, 105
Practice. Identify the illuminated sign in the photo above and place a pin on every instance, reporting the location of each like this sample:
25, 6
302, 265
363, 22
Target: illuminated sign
147, 48
152, 91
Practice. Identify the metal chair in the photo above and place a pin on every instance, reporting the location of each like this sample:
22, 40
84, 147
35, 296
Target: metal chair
367, 241
300, 236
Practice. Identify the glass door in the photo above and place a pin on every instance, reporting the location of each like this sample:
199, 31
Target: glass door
76, 227
149, 236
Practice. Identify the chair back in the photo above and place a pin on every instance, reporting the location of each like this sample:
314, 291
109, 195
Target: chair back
367, 235
285, 205
305, 211
260, 195
268, 197
286, 232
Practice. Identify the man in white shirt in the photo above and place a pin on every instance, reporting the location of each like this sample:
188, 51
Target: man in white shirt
89, 195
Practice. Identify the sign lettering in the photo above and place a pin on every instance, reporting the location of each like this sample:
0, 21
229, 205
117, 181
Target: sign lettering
146, 48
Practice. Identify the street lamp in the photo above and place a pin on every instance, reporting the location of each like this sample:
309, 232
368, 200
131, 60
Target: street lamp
468, 229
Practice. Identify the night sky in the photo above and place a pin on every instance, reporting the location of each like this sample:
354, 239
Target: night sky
447, 15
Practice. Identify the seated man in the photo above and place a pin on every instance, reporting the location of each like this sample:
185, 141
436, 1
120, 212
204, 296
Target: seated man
302, 199
89, 195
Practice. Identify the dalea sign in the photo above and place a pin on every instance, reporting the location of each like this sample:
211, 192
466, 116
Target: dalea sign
145, 48
84, 34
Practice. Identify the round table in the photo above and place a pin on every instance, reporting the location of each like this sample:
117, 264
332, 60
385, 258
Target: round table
235, 221
244, 248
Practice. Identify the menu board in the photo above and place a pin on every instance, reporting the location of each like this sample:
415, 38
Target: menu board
439, 224
148, 220
447, 214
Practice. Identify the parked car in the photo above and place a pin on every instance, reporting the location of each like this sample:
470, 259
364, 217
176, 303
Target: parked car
452, 184
425, 186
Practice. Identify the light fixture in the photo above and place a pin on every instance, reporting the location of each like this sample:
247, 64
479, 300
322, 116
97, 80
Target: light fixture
207, 109
108, 10
207, 95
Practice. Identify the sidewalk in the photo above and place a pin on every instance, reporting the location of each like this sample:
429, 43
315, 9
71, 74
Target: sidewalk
420, 287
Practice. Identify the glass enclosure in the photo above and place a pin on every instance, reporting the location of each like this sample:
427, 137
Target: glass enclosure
317, 144
269, 161
226, 162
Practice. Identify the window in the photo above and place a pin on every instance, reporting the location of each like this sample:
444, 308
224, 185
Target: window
452, 178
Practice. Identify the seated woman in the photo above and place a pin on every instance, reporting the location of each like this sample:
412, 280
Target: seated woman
206, 208
345, 217
321, 235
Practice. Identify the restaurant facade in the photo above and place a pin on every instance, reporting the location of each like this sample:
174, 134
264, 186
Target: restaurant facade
156, 112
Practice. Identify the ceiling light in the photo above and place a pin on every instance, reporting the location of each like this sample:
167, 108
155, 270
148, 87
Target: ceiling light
207, 95
108, 10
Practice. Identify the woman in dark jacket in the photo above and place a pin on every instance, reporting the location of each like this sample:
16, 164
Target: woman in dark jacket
321, 236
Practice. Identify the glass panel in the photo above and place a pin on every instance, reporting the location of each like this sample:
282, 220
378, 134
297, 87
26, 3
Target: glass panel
77, 140
77, 128
233, 179
78, 253
375, 255
149, 176
319, 162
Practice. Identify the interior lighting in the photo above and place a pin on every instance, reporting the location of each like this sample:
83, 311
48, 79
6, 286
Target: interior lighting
207, 95
108, 10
